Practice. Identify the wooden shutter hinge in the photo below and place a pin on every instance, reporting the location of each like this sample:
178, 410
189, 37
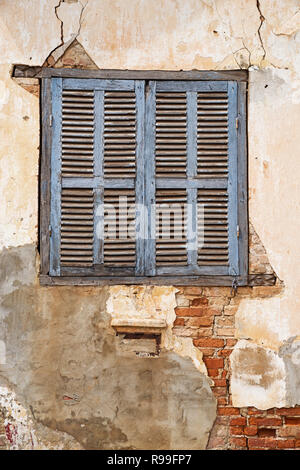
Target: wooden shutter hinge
50, 230
50, 120
238, 231
237, 123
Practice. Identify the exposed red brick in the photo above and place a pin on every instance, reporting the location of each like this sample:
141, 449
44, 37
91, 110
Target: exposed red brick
238, 441
265, 421
207, 351
194, 311
255, 411
288, 411
179, 322
236, 430
213, 372
220, 382
238, 421
230, 410
200, 301
225, 352
292, 421
214, 363
209, 342
250, 430
262, 442
222, 401
200, 321
286, 444
231, 342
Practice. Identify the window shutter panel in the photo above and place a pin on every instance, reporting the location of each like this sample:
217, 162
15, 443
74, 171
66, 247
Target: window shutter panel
191, 155
96, 162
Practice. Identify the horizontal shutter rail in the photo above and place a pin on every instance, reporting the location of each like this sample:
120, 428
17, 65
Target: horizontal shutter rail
98, 84
192, 183
184, 86
96, 182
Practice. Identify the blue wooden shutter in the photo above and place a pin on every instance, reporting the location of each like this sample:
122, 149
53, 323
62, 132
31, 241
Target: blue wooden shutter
97, 157
191, 159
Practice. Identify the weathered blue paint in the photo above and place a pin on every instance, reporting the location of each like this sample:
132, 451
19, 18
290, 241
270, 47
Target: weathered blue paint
55, 215
232, 180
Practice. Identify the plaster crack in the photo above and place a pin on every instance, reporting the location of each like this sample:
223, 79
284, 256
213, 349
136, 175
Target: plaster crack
61, 25
262, 19
59, 50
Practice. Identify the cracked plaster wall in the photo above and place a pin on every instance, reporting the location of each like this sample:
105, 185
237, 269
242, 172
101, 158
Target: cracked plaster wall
262, 36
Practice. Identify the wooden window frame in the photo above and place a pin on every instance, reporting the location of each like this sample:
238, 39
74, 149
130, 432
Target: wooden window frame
241, 77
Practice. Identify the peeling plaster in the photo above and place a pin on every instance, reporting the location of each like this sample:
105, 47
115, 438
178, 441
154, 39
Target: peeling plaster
136, 303
258, 377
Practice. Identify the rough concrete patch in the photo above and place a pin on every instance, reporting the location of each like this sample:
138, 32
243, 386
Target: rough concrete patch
65, 369
258, 377
18, 267
290, 352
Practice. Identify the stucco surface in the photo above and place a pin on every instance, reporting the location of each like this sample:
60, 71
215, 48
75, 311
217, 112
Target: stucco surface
39, 326
64, 370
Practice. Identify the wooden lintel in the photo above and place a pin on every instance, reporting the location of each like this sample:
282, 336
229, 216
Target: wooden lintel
49, 72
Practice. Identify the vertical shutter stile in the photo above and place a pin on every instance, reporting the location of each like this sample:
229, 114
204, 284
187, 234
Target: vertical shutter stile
56, 89
140, 177
232, 180
98, 172
149, 175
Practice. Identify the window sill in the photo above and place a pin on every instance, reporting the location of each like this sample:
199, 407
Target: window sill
215, 281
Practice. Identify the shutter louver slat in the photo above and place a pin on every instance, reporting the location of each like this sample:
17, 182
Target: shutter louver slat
215, 228
77, 213
170, 150
212, 141
77, 138
171, 228
119, 239
119, 134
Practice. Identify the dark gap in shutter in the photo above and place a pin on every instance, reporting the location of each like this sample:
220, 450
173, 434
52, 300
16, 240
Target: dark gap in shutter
119, 134
171, 122
215, 227
212, 148
119, 228
77, 219
77, 133
171, 227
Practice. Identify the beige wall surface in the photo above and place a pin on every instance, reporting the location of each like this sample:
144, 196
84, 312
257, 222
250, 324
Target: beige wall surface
263, 37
